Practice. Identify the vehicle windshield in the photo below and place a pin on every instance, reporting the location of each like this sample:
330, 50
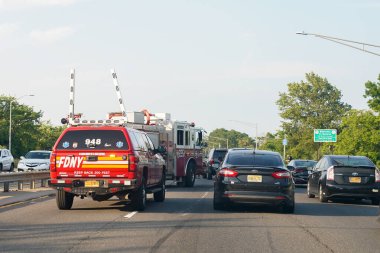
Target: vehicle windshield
304, 163
352, 161
93, 140
37, 155
250, 159
219, 153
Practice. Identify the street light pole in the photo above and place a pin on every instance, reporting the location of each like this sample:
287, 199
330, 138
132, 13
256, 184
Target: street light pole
344, 42
10, 120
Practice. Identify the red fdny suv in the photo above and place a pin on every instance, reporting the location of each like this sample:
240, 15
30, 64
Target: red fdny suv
103, 161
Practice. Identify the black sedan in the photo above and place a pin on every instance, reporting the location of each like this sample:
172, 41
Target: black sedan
344, 177
254, 177
300, 170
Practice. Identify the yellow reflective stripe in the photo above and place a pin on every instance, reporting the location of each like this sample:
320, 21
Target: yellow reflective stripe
106, 166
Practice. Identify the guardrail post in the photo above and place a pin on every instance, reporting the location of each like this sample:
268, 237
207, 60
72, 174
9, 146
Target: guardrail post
32, 184
43, 183
6, 187
20, 185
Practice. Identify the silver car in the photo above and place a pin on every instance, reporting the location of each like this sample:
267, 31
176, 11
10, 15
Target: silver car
6, 160
34, 161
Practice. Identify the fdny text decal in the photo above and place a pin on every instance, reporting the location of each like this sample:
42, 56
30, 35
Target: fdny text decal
69, 162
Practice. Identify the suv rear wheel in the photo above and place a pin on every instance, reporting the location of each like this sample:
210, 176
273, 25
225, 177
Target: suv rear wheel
1, 166
138, 198
12, 167
160, 195
64, 200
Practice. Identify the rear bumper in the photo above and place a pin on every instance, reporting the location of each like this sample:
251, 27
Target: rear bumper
253, 197
300, 180
77, 186
350, 191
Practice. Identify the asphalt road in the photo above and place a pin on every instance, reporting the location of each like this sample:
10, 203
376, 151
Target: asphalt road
186, 222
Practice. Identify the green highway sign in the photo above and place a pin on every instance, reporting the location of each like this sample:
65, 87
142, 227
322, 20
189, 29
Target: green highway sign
325, 135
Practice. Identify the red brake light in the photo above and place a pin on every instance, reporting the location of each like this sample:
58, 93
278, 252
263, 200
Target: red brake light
377, 176
133, 162
298, 170
226, 172
330, 173
281, 174
53, 167
211, 162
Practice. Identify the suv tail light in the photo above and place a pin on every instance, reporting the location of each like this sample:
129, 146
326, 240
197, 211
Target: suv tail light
226, 172
281, 174
53, 167
211, 162
330, 173
377, 176
133, 162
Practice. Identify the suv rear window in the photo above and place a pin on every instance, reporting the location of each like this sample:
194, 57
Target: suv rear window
219, 153
305, 163
250, 159
93, 140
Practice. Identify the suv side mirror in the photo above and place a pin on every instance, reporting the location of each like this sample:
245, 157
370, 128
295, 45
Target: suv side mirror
22, 157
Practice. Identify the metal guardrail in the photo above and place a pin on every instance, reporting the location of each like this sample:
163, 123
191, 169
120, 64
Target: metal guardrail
20, 177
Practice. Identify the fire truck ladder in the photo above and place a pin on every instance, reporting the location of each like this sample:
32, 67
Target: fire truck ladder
72, 120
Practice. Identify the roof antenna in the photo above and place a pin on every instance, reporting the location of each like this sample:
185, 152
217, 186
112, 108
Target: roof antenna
72, 97
118, 93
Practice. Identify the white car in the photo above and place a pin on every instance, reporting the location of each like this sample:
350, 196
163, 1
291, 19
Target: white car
6, 160
34, 161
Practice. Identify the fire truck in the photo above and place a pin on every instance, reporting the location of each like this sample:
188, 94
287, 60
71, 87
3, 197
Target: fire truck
180, 142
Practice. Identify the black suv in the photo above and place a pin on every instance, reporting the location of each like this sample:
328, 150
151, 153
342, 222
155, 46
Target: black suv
215, 157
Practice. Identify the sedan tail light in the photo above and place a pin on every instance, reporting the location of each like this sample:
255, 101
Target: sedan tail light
226, 172
211, 162
281, 174
377, 176
330, 173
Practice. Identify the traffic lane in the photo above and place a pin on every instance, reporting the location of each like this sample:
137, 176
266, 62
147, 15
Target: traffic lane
40, 226
186, 222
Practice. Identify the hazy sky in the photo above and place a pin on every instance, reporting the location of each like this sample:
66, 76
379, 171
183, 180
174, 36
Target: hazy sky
204, 61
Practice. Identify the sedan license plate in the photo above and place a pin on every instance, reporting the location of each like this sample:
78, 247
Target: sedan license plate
255, 178
91, 184
356, 180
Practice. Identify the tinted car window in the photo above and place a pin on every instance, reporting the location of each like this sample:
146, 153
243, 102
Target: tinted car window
351, 161
141, 141
37, 155
250, 159
219, 153
134, 140
93, 140
304, 163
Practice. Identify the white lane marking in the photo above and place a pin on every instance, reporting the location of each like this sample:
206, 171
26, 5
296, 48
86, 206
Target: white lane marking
130, 215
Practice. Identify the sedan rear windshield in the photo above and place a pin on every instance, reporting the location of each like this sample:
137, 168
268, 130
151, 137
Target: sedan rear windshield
304, 163
352, 161
37, 155
93, 140
250, 159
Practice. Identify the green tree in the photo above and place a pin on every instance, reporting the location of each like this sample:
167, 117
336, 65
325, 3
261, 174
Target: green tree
372, 92
309, 105
235, 138
360, 135
25, 122
273, 142
48, 135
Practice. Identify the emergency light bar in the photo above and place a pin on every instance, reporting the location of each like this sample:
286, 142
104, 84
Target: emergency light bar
100, 122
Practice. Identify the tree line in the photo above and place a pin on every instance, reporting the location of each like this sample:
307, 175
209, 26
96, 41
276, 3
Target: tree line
29, 132
315, 103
